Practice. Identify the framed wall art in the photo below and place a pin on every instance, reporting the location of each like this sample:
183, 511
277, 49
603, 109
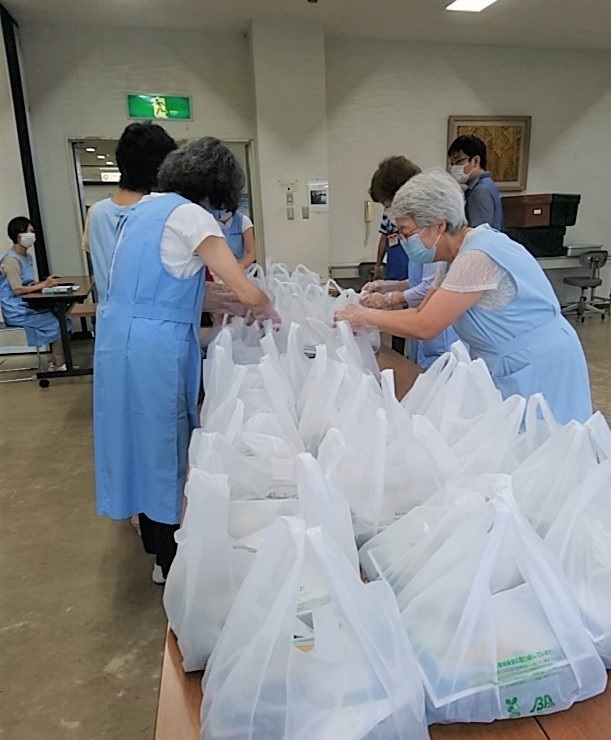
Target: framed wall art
507, 140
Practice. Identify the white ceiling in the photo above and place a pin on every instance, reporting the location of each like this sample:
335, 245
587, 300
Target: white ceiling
561, 24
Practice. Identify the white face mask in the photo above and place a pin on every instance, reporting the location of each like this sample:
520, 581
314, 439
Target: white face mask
459, 174
27, 240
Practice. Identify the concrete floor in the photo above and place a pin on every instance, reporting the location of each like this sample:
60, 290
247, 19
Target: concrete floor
81, 624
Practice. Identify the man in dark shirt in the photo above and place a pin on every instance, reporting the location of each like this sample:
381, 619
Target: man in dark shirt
467, 155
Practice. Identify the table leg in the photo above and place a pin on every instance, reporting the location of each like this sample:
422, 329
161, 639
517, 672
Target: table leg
60, 311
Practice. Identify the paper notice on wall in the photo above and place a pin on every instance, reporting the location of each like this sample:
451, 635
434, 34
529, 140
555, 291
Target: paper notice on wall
318, 195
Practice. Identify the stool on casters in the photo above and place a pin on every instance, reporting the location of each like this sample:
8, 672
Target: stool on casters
594, 261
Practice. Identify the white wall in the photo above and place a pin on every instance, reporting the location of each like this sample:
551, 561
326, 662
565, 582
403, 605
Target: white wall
12, 190
77, 79
393, 98
288, 65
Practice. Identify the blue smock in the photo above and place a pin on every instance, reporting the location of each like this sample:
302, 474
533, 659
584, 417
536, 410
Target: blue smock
41, 327
233, 234
424, 352
147, 368
528, 346
105, 219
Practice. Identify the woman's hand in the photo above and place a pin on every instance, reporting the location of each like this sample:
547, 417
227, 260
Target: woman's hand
380, 286
357, 316
387, 301
50, 282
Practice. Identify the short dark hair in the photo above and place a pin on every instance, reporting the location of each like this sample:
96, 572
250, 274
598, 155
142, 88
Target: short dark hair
472, 146
204, 169
16, 226
140, 152
392, 173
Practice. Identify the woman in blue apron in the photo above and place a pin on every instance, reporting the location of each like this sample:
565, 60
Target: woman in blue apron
17, 277
238, 231
147, 363
494, 293
139, 154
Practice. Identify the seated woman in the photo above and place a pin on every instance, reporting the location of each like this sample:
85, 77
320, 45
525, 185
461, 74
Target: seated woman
16, 279
495, 295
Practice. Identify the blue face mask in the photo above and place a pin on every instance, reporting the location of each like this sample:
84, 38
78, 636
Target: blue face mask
415, 249
220, 214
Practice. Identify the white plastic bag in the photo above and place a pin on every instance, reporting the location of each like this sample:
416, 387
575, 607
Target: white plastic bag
203, 579
539, 425
581, 537
360, 680
360, 477
406, 544
249, 477
322, 504
493, 625
550, 476
600, 435
487, 446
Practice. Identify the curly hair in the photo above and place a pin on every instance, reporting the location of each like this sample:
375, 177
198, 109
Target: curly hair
16, 226
204, 170
392, 172
140, 152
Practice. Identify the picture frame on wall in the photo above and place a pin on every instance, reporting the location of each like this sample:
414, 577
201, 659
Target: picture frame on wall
507, 140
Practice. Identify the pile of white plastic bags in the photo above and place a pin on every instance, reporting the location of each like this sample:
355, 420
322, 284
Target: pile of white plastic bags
483, 528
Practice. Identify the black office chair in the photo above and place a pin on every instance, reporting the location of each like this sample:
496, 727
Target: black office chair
594, 261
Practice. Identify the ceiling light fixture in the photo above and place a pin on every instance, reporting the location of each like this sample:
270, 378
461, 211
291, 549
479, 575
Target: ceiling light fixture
109, 163
90, 149
470, 6
101, 156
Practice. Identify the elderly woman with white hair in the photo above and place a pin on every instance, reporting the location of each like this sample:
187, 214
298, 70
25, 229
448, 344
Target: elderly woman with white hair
147, 363
492, 291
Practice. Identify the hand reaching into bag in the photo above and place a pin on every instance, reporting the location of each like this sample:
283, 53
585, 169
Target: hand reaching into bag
387, 301
381, 286
221, 299
357, 316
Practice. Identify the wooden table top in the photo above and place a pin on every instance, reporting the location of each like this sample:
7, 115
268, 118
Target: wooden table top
84, 282
180, 697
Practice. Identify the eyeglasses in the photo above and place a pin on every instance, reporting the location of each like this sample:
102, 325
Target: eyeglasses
461, 160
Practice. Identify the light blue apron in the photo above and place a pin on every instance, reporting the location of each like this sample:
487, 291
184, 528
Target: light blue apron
41, 327
147, 369
424, 352
105, 219
528, 346
234, 236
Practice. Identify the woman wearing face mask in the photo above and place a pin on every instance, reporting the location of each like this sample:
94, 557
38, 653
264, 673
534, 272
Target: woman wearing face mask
494, 294
237, 229
147, 362
16, 279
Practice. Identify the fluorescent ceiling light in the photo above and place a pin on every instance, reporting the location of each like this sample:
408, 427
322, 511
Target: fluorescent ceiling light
109, 163
101, 156
470, 6
90, 149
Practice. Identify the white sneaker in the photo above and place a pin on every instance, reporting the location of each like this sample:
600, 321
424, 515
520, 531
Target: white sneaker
157, 575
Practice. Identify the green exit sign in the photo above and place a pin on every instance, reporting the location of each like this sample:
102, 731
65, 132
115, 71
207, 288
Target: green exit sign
159, 107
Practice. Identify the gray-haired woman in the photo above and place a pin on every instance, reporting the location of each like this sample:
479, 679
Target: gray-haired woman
147, 355
494, 294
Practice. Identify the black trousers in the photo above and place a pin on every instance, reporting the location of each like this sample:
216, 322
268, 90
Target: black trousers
158, 540
398, 344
